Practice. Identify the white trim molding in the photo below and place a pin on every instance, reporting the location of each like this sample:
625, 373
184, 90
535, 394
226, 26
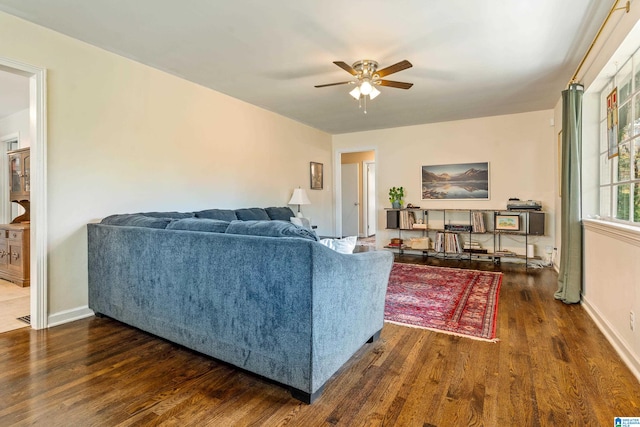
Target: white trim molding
39, 231
625, 353
622, 232
71, 315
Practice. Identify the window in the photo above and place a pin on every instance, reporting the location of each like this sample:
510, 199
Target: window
620, 175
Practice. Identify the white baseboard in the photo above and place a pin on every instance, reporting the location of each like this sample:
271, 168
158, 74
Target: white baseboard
67, 316
627, 355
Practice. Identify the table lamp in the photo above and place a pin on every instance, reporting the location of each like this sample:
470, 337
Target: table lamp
299, 197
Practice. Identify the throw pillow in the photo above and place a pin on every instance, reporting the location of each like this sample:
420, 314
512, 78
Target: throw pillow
300, 222
282, 214
221, 214
252, 214
345, 245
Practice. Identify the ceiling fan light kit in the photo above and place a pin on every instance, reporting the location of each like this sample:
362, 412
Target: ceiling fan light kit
367, 77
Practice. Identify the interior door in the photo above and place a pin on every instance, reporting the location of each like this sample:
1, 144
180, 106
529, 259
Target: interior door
350, 200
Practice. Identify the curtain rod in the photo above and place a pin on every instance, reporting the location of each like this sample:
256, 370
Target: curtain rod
626, 7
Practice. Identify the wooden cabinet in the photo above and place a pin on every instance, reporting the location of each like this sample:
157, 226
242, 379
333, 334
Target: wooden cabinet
15, 253
15, 237
19, 174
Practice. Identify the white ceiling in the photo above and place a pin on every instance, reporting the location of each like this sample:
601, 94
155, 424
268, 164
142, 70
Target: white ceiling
471, 58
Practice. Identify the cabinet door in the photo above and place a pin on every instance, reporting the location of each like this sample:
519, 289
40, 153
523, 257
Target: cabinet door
15, 258
4, 254
26, 166
15, 166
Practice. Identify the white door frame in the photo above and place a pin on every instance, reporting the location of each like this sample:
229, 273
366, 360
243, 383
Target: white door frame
337, 183
38, 110
365, 199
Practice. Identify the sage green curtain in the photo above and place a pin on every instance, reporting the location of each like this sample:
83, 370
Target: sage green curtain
570, 277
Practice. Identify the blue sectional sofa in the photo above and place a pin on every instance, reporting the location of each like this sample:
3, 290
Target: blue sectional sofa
261, 294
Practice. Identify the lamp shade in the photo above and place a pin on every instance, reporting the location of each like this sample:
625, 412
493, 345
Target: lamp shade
299, 197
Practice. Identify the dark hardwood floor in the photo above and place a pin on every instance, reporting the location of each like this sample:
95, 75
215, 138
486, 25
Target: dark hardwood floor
552, 367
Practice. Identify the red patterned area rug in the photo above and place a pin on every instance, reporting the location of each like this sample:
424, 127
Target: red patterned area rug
449, 300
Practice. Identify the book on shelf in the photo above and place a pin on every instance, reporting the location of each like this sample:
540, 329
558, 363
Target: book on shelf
417, 226
477, 222
407, 219
447, 242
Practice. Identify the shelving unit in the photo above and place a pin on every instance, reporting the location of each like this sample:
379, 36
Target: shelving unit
458, 232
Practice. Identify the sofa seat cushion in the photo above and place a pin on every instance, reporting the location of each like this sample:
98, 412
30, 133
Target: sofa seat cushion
137, 220
221, 214
280, 214
252, 214
199, 224
270, 229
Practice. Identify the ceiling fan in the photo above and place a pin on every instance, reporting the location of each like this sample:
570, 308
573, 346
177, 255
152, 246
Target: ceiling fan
367, 76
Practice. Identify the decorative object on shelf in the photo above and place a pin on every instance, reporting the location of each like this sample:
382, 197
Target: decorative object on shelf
507, 222
299, 197
395, 197
456, 181
317, 175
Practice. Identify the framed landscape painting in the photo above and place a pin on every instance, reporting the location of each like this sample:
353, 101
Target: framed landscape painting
456, 181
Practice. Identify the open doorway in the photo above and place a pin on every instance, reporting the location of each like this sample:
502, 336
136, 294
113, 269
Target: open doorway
30, 137
15, 295
357, 215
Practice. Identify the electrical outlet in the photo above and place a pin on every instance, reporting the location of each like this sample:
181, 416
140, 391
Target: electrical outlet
632, 320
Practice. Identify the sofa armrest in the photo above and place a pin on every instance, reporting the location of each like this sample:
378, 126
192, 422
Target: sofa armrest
348, 305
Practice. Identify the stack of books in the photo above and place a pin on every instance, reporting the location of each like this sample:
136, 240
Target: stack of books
407, 219
447, 242
477, 222
474, 248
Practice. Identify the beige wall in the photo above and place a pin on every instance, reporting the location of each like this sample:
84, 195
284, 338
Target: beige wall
17, 122
519, 148
123, 137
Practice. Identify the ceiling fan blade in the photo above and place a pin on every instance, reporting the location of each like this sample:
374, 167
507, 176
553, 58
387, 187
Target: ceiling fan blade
333, 84
399, 85
346, 67
402, 65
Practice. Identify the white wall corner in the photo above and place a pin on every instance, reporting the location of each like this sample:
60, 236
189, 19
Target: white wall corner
71, 315
628, 356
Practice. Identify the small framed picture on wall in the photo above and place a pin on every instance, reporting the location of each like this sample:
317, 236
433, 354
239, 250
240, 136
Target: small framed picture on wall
317, 175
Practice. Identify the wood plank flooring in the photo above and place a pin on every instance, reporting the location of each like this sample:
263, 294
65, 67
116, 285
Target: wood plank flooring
552, 367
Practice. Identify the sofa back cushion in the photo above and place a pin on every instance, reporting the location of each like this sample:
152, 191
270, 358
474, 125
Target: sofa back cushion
270, 229
172, 215
280, 214
199, 224
221, 214
252, 214
136, 220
